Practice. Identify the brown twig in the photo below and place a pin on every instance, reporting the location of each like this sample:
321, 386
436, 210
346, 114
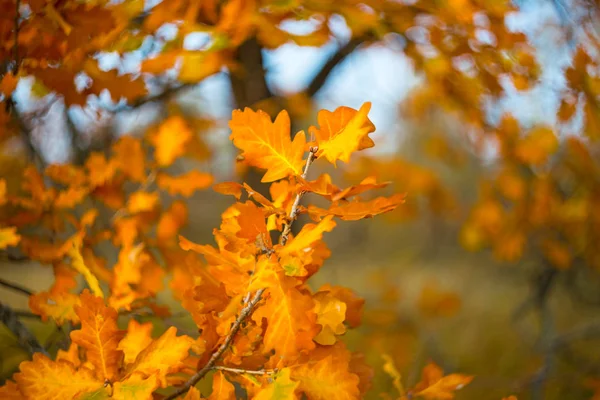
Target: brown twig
244, 371
15, 287
23, 335
294, 211
321, 78
246, 311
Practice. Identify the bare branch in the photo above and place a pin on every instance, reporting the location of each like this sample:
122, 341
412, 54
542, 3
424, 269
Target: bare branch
24, 336
15, 287
162, 96
340, 55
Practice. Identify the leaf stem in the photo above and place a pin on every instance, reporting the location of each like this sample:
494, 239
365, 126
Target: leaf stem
245, 371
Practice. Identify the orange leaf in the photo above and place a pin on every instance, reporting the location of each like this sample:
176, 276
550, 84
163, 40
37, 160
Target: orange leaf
163, 356
356, 209
185, 184
170, 140
137, 338
142, 201
45, 379
222, 389
99, 336
9, 237
434, 385
267, 145
329, 378
342, 132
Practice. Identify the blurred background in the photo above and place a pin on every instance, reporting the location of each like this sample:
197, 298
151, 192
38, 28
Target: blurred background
487, 117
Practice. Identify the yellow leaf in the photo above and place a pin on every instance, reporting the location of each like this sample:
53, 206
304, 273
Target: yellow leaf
537, 146
434, 385
390, 368
9, 237
222, 389
170, 140
267, 145
99, 336
331, 313
343, 132
137, 338
163, 356
142, 201
282, 388
79, 265
329, 378
135, 387
185, 184
44, 379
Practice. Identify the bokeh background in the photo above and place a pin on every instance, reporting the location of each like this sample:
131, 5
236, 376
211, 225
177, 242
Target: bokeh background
502, 308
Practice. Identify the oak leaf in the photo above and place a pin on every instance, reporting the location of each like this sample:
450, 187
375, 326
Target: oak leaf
222, 389
356, 209
267, 145
137, 338
99, 336
163, 356
434, 385
342, 132
45, 379
281, 388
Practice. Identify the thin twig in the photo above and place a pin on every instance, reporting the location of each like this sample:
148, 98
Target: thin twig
24, 336
336, 59
245, 371
246, 311
16, 287
164, 95
294, 211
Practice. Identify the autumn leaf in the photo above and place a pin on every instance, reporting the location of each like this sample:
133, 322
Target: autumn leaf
9, 237
99, 336
137, 338
162, 357
222, 389
434, 385
130, 158
45, 379
343, 132
267, 145
170, 140
326, 379
142, 202
185, 184
281, 388
289, 315
390, 368
331, 313
79, 265
356, 209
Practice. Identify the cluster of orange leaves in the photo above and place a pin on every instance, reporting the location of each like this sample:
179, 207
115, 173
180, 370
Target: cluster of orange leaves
289, 344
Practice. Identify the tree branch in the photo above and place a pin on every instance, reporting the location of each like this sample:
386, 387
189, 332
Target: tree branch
340, 55
24, 336
15, 287
162, 96
246, 311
